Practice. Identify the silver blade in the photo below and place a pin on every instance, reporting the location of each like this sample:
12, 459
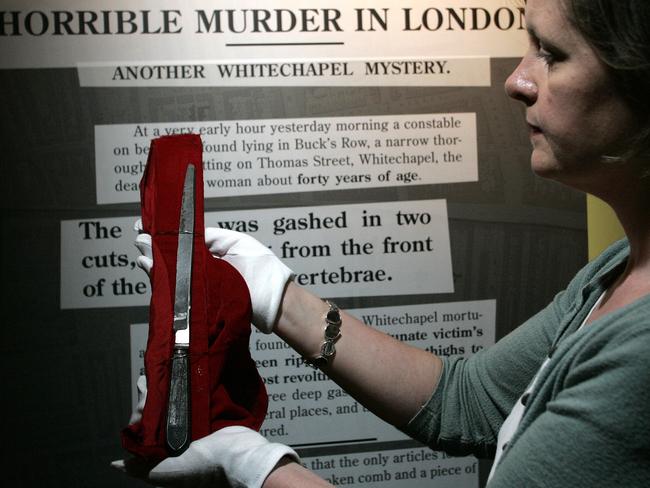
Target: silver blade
184, 260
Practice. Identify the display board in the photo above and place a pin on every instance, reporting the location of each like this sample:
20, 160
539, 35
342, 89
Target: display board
303, 403
371, 147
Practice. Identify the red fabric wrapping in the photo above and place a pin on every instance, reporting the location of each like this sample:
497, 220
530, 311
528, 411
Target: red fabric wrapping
226, 388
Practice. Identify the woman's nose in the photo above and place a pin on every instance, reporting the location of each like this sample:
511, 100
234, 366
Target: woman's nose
520, 84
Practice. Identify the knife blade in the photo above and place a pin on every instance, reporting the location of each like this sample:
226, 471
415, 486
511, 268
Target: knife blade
178, 406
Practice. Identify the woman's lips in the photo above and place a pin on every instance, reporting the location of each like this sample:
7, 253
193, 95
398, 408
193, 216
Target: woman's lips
533, 129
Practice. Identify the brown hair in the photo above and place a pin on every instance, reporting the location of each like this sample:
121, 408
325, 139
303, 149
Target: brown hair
619, 33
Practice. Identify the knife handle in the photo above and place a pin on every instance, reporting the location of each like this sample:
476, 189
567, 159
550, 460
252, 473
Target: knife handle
178, 407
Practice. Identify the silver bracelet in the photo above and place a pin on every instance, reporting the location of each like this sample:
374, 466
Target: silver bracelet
332, 334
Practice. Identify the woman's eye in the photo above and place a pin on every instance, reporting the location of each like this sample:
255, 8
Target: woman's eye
548, 57
549, 54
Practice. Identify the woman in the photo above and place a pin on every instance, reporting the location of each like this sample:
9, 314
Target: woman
562, 399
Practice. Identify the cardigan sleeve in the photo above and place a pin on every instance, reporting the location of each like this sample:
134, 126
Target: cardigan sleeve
475, 395
596, 429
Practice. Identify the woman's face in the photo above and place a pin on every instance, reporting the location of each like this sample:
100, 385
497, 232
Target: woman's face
573, 113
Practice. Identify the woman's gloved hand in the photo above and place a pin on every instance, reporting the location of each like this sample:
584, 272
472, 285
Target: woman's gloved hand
265, 275
233, 456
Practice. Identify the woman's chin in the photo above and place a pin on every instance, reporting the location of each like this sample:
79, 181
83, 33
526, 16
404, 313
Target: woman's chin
543, 166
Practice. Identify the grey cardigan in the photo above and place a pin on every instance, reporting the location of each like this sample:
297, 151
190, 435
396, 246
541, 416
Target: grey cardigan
586, 424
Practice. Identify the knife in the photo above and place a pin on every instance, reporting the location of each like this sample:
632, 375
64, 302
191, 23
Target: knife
178, 407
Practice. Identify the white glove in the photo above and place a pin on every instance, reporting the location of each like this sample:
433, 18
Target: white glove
265, 275
143, 243
136, 415
237, 455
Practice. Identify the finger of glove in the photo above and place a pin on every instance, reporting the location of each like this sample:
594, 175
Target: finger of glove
137, 225
135, 466
145, 260
222, 242
136, 415
119, 465
144, 263
141, 384
143, 243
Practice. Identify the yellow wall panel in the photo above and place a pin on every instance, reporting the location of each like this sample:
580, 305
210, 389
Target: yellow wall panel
602, 226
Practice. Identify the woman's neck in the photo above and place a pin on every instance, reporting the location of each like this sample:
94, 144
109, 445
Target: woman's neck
631, 203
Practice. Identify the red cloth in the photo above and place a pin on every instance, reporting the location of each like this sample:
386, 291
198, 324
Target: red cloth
226, 388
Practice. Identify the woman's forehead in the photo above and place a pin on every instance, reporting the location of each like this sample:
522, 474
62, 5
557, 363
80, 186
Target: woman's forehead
547, 19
